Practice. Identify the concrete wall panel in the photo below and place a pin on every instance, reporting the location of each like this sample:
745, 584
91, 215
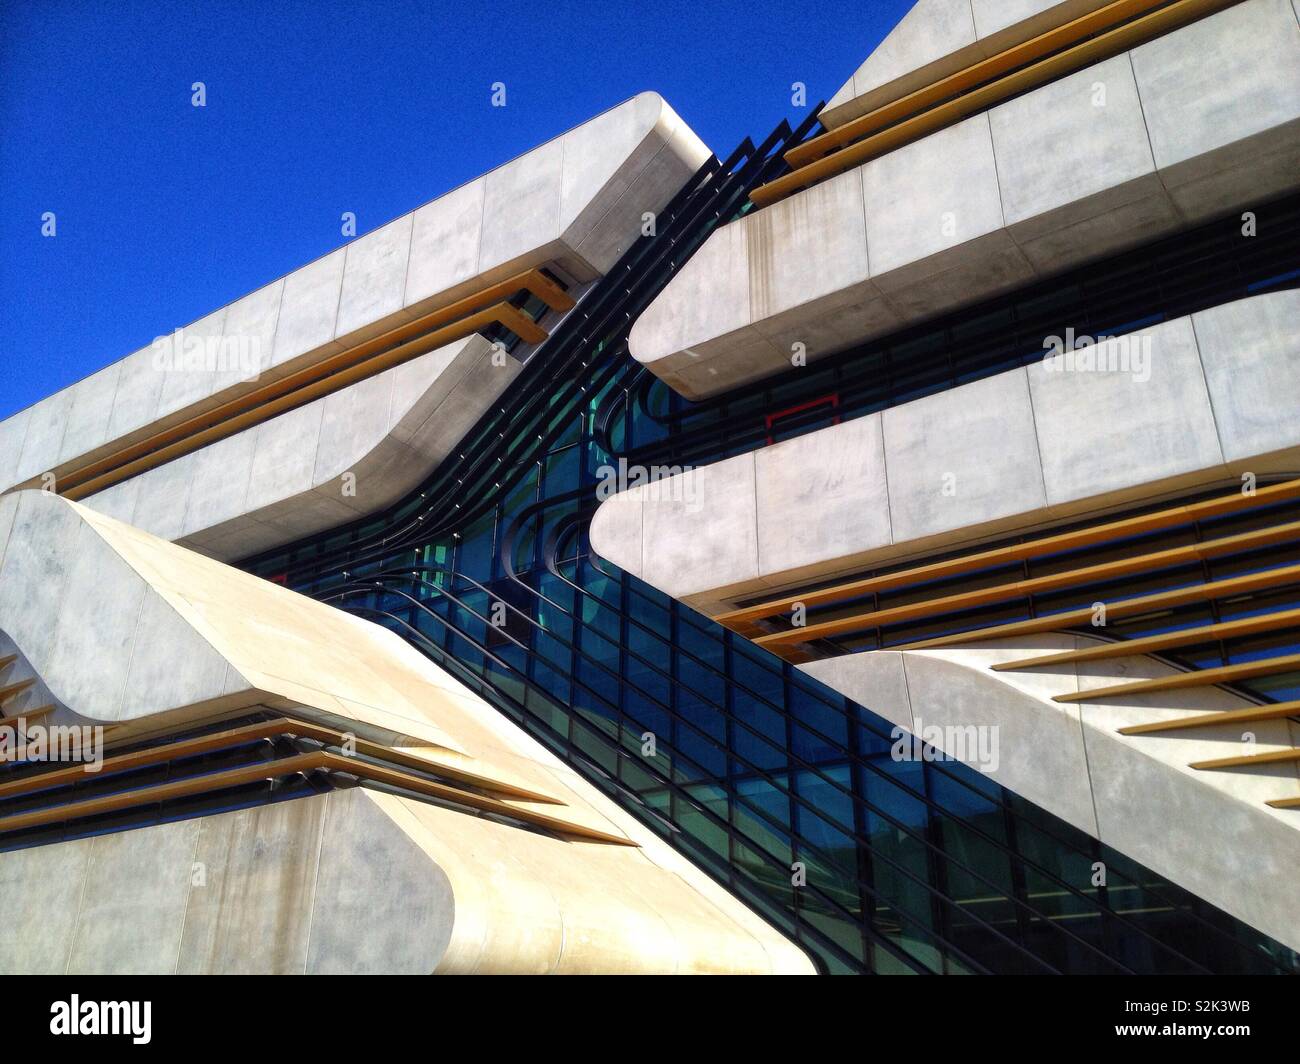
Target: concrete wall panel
139, 386
250, 326
1255, 85
163, 497
716, 506
1102, 432
98, 626
250, 906
1069, 156
964, 457
445, 243
133, 905
374, 277
931, 196
808, 246
12, 432
43, 439
309, 312
372, 874
1250, 352
197, 368
521, 205
219, 491
55, 875
826, 491
88, 416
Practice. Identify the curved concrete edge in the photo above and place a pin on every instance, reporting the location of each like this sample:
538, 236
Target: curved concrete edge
661, 162
1039, 184
937, 38
1011, 453
121, 626
527, 905
1209, 832
320, 465
574, 202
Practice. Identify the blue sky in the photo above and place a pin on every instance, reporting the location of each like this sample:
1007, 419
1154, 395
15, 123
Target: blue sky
166, 211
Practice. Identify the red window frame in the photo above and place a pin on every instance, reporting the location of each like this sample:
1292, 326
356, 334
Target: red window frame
832, 399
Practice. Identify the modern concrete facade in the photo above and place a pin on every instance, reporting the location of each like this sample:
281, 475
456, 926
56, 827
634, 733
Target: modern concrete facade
1100, 162
884, 563
1115, 155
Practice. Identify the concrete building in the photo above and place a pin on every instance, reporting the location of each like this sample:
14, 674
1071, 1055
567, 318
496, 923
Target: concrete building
886, 561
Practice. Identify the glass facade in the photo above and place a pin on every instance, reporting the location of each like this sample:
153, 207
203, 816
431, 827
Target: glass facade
783, 790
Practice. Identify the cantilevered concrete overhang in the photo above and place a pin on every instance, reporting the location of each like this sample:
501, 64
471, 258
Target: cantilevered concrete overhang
319, 465
480, 853
1194, 123
369, 361
1008, 453
939, 38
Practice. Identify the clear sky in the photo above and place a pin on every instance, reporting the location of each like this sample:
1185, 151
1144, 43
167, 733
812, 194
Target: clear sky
165, 211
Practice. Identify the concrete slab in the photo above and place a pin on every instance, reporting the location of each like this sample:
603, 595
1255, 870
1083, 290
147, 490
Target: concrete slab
88, 416
822, 496
309, 310
1105, 430
133, 905
963, 457
374, 277
1251, 357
